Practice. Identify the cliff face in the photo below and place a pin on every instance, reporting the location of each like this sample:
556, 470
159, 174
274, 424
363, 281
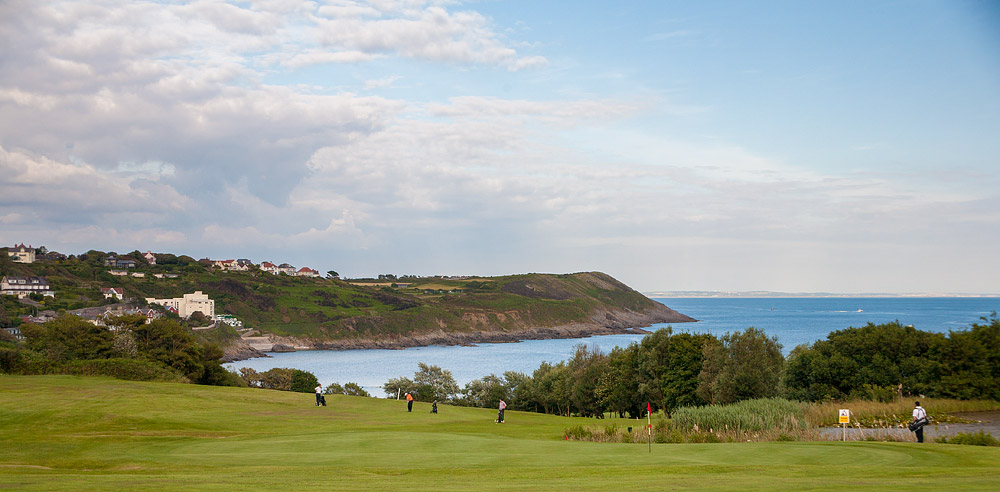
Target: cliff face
509, 309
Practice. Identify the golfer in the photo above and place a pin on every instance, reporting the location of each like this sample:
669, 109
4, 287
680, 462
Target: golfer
409, 402
919, 413
503, 406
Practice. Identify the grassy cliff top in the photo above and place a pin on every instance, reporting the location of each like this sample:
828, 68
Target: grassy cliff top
332, 309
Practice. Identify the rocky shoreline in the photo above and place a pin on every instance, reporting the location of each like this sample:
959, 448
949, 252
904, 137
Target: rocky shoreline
601, 323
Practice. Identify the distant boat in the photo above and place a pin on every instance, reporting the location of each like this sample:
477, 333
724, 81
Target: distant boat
861, 310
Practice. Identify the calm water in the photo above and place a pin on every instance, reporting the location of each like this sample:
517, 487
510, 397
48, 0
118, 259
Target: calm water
793, 320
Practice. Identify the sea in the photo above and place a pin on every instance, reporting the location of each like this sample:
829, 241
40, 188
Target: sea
793, 321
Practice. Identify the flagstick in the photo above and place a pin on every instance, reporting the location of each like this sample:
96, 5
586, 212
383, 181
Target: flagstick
649, 427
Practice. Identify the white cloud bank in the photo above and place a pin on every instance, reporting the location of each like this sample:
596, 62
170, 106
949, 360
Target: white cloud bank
144, 125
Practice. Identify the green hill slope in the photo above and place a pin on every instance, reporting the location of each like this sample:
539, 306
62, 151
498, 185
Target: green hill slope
71, 433
330, 313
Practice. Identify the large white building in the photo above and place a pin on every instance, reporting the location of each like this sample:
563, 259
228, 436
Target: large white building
21, 254
23, 286
187, 305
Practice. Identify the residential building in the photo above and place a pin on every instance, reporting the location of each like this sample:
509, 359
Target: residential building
51, 256
186, 306
150, 258
269, 267
306, 272
113, 292
286, 269
229, 320
21, 254
22, 286
138, 274
115, 262
232, 265
118, 273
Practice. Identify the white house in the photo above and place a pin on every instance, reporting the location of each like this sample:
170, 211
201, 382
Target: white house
150, 258
22, 286
306, 272
116, 292
186, 306
229, 320
232, 265
21, 254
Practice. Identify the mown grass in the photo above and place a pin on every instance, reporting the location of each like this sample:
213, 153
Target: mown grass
79, 433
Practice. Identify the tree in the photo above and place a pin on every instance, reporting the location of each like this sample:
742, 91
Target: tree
303, 381
485, 392
434, 383
166, 341
332, 274
585, 369
68, 338
353, 389
741, 366
395, 387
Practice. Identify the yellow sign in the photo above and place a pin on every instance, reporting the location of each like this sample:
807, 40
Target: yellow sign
845, 416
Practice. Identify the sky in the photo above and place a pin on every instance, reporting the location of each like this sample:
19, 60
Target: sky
849, 146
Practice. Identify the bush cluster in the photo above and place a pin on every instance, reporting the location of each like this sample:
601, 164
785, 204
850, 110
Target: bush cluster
129, 349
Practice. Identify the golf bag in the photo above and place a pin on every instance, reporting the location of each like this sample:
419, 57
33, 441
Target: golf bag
916, 424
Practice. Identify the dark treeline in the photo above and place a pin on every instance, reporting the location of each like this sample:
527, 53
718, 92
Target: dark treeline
129, 348
671, 370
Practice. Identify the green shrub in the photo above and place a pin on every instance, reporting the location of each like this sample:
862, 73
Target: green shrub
980, 438
303, 381
579, 433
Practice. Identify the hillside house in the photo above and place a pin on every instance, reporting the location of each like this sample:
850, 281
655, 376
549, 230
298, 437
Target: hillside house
115, 262
113, 292
232, 265
269, 267
21, 254
15, 331
138, 274
23, 286
229, 320
306, 272
187, 305
118, 273
51, 256
150, 257
286, 269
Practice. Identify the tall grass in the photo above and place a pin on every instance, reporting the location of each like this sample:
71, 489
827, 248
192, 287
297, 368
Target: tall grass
747, 415
873, 414
776, 419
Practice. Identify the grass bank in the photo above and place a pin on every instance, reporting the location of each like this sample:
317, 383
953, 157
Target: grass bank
82, 433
